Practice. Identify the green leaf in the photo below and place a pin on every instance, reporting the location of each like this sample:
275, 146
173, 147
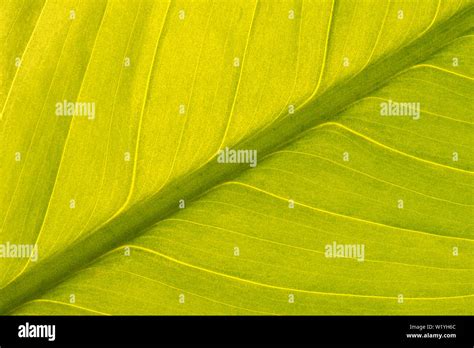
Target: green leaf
133, 213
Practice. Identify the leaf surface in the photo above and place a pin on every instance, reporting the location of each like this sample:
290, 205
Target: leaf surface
207, 75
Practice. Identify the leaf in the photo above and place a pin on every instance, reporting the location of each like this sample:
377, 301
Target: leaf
133, 214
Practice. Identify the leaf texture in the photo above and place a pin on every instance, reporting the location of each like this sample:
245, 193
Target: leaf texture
158, 226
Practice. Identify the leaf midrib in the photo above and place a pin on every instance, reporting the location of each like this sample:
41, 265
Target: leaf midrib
138, 218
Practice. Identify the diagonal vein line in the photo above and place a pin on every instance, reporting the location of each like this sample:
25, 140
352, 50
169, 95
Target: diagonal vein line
140, 122
443, 70
386, 147
193, 293
111, 122
39, 118
369, 176
15, 20
67, 305
432, 21
378, 37
139, 217
305, 271
64, 149
307, 249
24, 52
353, 218
326, 51
298, 58
188, 104
283, 288
71, 123
240, 74
421, 110
218, 85
36, 129
320, 78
